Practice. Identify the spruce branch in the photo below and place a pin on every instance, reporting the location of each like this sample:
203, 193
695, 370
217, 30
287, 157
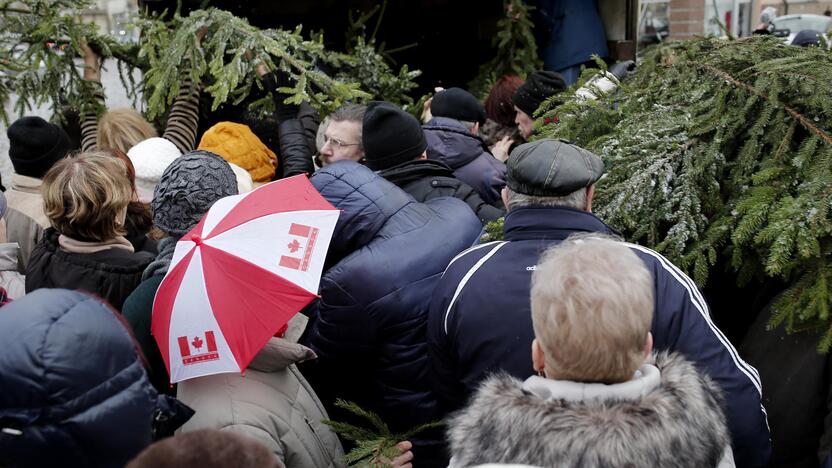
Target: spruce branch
719, 153
516, 48
374, 447
793, 112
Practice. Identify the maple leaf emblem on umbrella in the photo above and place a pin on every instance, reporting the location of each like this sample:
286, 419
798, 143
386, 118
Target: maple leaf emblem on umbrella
251, 264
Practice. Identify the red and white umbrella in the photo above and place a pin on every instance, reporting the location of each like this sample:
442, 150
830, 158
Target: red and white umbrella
251, 264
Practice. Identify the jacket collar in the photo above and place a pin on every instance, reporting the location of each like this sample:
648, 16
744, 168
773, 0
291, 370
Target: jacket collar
450, 142
646, 380
554, 223
84, 247
281, 352
26, 184
418, 169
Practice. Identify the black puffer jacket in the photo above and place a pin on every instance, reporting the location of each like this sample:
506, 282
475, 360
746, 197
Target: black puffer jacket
296, 134
425, 180
111, 274
368, 329
297, 143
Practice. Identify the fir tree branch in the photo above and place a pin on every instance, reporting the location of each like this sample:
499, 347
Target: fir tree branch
807, 123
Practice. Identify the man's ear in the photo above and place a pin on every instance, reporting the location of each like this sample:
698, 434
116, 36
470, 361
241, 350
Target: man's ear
538, 358
504, 196
590, 193
476, 129
648, 345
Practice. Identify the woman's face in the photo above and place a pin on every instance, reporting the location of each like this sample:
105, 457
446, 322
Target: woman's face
524, 123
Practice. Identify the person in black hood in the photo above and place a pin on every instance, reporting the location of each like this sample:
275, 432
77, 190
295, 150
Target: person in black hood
395, 147
452, 138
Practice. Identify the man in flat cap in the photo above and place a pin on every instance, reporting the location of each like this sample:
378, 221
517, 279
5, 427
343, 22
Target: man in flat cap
480, 317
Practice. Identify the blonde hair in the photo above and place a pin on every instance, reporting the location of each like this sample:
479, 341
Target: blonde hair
123, 129
84, 196
592, 307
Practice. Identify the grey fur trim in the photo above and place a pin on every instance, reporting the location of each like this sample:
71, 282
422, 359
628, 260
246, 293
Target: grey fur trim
681, 424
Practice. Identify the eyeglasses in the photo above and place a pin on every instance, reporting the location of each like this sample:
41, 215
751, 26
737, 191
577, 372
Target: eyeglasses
338, 143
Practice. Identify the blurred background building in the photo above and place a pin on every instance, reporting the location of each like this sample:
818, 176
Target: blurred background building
683, 19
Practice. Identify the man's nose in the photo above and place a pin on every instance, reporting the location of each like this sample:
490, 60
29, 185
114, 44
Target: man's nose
326, 148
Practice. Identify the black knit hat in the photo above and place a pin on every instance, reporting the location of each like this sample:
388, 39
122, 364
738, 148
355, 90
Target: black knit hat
540, 85
551, 168
188, 187
390, 136
35, 145
456, 103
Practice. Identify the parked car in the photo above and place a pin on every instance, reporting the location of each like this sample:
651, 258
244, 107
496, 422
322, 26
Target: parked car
788, 26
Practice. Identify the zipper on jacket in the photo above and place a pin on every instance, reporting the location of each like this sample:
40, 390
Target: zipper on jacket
321, 445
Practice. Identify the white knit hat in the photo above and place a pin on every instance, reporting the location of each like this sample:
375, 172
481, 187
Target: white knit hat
150, 158
244, 182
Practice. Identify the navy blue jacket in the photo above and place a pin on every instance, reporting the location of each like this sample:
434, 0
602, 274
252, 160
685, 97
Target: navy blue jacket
71, 383
480, 321
387, 254
451, 143
574, 30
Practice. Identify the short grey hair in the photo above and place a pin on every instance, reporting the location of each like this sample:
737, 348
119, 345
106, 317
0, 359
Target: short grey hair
576, 200
347, 113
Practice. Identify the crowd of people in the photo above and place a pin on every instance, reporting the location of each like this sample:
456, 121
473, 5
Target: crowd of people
560, 345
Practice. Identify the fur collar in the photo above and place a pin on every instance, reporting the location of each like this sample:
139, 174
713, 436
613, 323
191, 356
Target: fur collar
680, 423
646, 380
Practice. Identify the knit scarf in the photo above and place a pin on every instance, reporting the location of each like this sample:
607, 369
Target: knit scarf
160, 266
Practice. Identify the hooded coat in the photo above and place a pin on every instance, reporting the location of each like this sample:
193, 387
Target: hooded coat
73, 390
465, 153
673, 419
272, 403
425, 180
386, 255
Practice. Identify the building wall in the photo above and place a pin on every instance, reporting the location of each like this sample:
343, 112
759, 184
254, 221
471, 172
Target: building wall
687, 18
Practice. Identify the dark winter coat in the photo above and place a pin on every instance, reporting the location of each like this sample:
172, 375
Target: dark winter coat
451, 143
480, 321
297, 142
296, 135
574, 32
73, 391
425, 180
368, 329
111, 274
797, 392
138, 312
673, 420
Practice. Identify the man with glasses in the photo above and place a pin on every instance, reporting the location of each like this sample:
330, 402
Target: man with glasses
299, 124
342, 136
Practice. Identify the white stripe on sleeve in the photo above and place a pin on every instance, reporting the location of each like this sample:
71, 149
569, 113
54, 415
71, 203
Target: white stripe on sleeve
468, 276
700, 304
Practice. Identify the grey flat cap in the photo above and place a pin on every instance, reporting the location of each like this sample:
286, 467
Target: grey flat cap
551, 168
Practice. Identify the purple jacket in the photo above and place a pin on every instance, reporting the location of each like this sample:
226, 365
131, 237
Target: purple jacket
451, 143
